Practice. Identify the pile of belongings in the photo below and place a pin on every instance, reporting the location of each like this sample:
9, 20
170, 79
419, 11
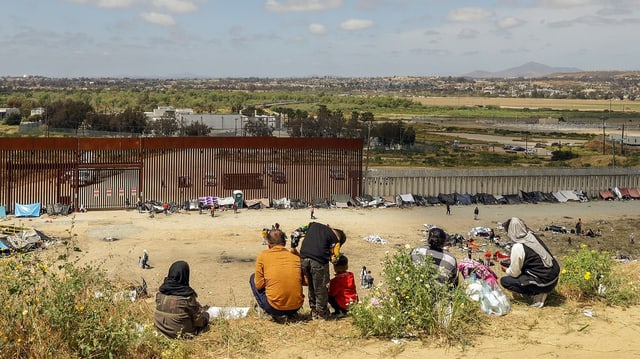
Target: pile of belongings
374, 238
18, 239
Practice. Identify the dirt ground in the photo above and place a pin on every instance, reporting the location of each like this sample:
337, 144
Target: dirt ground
221, 252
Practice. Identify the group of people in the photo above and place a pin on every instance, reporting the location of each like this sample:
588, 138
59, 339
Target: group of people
532, 269
281, 274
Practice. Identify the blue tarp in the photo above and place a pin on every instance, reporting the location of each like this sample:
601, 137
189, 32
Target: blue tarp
27, 210
3, 212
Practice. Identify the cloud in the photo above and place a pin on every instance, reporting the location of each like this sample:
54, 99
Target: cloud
468, 14
158, 19
356, 24
173, 6
467, 34
317, 29
301, 5
510, 22
376, 4
176, 6
566, 3
109, 4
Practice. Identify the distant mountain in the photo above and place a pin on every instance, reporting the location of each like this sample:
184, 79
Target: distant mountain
528, 70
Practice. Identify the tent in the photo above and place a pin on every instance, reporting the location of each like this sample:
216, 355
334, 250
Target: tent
570, 195
634, 193
27, 210
624, 192
607, 195
447, 198
57, 209
341, 200
3, 212
560, 197
464, 198
512, 198
405, 199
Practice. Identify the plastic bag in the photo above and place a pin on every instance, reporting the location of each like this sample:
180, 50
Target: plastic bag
492, 299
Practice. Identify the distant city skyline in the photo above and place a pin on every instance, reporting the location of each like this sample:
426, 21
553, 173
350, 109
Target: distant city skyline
300, 38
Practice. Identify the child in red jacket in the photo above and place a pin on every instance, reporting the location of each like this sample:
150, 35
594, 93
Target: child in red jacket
342, 287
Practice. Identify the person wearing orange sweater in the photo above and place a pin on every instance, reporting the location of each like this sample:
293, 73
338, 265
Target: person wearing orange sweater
277, 281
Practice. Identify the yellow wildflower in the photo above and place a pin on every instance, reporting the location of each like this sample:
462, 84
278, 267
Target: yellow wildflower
564, 271
587, 275
583, 246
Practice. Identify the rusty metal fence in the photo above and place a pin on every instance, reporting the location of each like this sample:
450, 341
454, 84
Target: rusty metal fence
102, 173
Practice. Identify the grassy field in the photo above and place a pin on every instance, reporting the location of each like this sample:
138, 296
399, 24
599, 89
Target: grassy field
533, 103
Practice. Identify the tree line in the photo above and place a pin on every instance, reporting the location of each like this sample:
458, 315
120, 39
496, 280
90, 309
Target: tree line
324, 122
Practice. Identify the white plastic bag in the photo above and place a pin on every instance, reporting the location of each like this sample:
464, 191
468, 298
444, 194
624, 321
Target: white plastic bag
492, 299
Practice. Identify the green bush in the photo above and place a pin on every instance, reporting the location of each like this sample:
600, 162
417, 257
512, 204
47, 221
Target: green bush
410, 302
589, 275
64, 310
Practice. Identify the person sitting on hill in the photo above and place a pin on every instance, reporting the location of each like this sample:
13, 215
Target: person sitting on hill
444, 262
533, 271
178, 314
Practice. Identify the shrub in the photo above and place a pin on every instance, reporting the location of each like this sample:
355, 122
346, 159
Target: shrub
410, 302
588, 274
59, 309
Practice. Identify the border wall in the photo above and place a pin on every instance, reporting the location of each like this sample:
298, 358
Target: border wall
101, 173
431, 182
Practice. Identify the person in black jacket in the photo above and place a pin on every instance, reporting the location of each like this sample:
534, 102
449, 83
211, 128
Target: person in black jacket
533, 271
320, 246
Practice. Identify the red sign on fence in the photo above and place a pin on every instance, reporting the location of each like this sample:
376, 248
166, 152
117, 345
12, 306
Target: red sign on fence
121, 191
109, 192
96, 192
134, 192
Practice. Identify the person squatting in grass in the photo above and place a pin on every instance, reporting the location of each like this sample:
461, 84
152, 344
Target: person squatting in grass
342, 287
320, 246
533, 271
178, 314
277, 281
444, 262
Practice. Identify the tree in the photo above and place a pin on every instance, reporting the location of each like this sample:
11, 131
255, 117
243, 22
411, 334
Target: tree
167, 125
256, 127
197, 129
13, 119
132, 120
67, 114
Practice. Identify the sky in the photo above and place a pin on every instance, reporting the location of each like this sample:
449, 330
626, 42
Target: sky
302, 38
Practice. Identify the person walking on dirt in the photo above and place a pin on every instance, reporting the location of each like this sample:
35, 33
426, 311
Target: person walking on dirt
476, 212
312, 211
448, 209
579, 227
165, 208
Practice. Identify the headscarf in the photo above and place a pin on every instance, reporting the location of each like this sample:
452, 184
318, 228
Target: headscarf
520, 233
177, 281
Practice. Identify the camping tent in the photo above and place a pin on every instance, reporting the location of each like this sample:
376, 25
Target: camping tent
27, 210
634, 193
3, 212
607, 195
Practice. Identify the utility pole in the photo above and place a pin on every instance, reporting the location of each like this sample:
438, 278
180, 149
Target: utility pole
366, 168
603, 134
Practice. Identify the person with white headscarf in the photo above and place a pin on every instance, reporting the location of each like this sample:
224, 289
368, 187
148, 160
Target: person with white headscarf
533, 271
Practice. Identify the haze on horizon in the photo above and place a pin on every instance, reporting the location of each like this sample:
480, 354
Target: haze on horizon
299, 38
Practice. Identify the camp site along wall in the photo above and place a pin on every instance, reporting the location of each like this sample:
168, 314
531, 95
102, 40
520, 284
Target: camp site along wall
432, 182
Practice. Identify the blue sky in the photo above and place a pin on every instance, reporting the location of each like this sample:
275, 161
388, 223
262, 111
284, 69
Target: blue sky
295, 38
